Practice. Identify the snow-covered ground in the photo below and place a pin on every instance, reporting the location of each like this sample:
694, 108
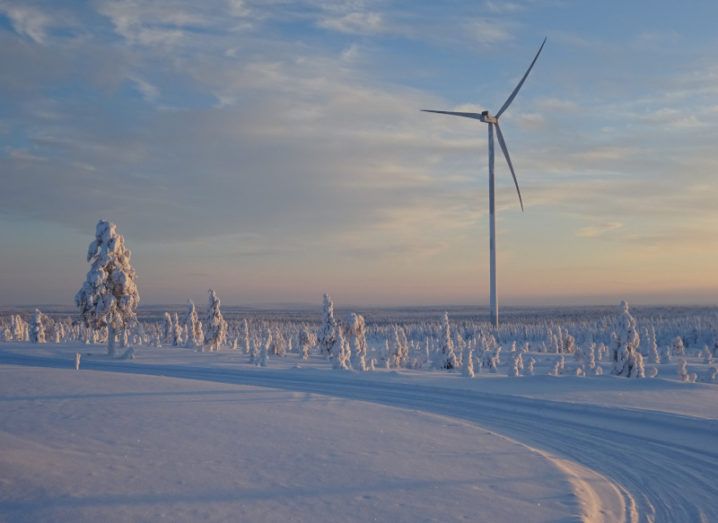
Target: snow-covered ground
186, 436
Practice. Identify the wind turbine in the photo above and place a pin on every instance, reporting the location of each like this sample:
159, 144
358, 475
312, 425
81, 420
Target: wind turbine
493, 121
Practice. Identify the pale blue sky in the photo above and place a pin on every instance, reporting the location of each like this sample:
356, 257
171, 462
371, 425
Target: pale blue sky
274, 150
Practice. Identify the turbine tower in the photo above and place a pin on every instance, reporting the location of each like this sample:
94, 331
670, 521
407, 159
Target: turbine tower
493, 121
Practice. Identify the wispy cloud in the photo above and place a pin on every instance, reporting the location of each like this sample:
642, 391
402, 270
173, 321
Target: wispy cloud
354, 23
31, 21
594, 231
489, 32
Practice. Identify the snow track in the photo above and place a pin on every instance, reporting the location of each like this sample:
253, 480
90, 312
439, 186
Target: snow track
631, 465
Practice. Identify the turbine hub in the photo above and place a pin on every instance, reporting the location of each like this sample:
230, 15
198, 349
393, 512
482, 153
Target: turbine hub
486, 117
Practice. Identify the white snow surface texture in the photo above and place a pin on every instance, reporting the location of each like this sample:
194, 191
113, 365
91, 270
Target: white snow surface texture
187, 436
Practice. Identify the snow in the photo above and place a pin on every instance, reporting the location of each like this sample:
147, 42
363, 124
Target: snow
103, 446
422, 445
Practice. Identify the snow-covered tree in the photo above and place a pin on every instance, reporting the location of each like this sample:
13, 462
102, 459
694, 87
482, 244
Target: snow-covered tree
266, 347
20, 328
195, 334
327, 334
667, 356
491, 358
569, 344
468, 362
340, 353
306, 342
707, 355
167, 329
559, 365
679, 348
177, 331
653, 354
356, 332
531, 366
109, 296
37, 328
445, 358
517, 364
627, 360
682, 371
279, 344
216, 328
245, 336
58, 332
399, 350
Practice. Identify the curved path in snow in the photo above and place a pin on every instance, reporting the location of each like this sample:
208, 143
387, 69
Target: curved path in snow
647, 465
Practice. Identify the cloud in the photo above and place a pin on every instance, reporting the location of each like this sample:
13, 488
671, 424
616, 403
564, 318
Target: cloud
594, 231
354, 23
556, 104
27, 20
489, 32
502, 7
148, 91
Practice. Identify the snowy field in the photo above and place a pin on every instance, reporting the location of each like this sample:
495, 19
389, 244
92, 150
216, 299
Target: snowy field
183, 436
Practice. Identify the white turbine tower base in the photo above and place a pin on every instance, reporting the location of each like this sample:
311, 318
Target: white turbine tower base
493, 121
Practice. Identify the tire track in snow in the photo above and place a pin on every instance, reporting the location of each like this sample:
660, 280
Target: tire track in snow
664, 464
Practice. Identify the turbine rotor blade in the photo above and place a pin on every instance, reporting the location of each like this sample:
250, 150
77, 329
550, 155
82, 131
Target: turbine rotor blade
475, 116
516, 90
502, 143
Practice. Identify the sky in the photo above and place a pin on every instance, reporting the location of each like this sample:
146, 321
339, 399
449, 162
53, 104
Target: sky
274, 150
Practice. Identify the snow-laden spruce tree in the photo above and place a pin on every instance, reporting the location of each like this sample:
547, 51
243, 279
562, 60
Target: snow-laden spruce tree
653, 354
327, 334
340, 352
627, 360
244, 338
195, 334
20, 328
531, 366
356, 332
707, 355
682, 371
262, 358
37, 328
177, 331
445, 357
279, 343
216, 328
679, 349
559, 365
517, 365
467, 362
167, 329
109, 296
306, 340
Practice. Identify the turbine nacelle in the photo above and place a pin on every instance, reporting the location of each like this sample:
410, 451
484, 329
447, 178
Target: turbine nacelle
486, 117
